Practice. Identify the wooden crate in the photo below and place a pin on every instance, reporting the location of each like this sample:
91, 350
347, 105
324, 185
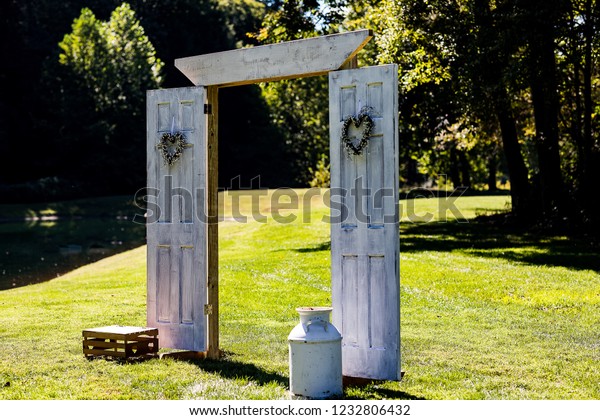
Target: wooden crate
120, 342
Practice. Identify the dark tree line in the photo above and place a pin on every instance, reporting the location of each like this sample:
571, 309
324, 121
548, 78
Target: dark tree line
508, 85
489, 91
57, 141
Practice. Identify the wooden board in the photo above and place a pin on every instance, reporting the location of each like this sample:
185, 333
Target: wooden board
364, 230
305, 57
120, 332
213, 222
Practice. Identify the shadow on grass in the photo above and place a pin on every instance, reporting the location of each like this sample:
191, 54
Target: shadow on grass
492, 241
231, 369
325, 246
488, 240
377, 393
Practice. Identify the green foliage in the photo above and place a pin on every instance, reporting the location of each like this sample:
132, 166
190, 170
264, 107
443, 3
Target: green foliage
423, 58
114, 61
243, 18
250, 143
300, 107
495, 67
295, 19
462, 152
86, 130
97, 90
85, 47
411, 34
321, 174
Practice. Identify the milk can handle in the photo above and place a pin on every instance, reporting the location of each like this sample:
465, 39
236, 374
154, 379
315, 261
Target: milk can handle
318, 321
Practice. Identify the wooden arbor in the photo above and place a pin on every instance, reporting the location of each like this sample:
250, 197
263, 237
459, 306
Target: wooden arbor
183, 241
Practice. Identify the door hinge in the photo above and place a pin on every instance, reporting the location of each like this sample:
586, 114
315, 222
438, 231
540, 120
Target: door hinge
208, 309
208, 108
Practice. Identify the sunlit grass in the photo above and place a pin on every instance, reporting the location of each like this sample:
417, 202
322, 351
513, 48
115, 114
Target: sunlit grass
487, 313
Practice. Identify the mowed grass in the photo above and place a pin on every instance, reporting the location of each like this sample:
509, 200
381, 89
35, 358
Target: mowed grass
487, 312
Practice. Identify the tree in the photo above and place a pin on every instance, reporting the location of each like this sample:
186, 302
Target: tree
104, 71
578, 50
249, 142
244, 17
441, 111
542, 19
492, 63
68, 137
524, 69
31, 31
113, 60
299, 108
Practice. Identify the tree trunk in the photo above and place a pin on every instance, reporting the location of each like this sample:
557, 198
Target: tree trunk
465, 169
454, 168
492, 173
588, 171
412, 174
491, 70
543, 83
519, 181
587, 80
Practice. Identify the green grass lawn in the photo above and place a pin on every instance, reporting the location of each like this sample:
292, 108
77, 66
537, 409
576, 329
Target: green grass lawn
487, 313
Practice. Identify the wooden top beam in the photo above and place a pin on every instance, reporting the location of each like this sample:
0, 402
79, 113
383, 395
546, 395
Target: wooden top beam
265, 63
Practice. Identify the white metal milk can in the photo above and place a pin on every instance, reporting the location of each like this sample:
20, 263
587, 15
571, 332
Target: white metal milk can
315, 347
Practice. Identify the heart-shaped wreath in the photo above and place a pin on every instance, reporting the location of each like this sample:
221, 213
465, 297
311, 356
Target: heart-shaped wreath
171, 147
362, 118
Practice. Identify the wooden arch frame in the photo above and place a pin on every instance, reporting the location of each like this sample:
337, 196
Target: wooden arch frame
310, 57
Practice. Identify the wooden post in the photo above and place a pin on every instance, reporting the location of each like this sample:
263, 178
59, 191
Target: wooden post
350, 64
212, 184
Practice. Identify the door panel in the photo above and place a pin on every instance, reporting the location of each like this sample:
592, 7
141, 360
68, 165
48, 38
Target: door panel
177, 257
365, 238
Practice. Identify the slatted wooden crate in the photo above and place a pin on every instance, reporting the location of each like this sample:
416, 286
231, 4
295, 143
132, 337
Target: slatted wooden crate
120, 342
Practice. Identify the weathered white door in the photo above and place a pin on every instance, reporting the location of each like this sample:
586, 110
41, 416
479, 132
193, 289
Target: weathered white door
176, 224
364, 229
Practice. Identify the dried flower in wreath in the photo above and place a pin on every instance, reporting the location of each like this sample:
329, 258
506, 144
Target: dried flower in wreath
171, 147
363, 118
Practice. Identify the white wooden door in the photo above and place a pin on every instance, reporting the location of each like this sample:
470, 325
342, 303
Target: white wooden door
364, 229
176, 225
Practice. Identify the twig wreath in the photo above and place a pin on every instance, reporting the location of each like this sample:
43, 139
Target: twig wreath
171, 146
363, 117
